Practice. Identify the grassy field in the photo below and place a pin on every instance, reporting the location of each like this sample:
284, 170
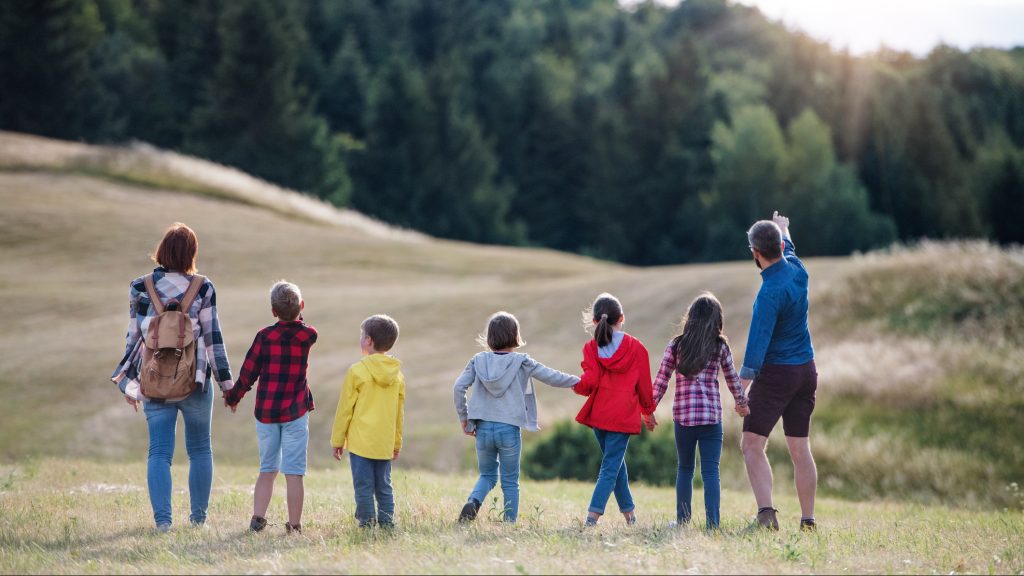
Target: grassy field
917, 428
73, 242
66, 516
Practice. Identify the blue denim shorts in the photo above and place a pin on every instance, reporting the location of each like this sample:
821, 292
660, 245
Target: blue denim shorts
283, 446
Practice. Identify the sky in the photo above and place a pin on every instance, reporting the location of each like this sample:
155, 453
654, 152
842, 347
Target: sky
912, 25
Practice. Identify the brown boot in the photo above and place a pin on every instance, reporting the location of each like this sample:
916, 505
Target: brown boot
766, 519
290, 528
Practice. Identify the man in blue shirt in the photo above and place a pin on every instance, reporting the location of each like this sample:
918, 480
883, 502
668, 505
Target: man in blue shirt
779, 361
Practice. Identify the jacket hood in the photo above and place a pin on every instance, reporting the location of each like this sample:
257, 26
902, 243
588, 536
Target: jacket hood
383, 369
497, 372
622, 360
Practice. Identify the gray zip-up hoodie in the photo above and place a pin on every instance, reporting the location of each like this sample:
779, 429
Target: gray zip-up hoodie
503, 390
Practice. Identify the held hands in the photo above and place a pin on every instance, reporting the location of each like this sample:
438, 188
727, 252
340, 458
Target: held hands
227, 405
650, 422
742, 408
467, 432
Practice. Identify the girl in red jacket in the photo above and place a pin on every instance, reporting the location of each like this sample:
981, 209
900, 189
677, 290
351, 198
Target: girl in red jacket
617, 381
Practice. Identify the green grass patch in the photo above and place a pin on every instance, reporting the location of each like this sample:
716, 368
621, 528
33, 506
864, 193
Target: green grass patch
86, 517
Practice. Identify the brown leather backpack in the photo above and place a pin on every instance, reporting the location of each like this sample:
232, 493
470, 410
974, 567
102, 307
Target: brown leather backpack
169, 355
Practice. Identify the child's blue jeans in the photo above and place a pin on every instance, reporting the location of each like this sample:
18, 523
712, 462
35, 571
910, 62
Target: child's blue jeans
709, 439
162, 418
372, 478
613, 476
498, 447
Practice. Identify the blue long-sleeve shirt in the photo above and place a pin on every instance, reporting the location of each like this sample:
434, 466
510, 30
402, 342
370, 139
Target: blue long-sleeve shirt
778, 328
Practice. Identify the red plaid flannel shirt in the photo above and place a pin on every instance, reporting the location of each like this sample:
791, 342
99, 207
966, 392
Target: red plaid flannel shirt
697, 401
278, 358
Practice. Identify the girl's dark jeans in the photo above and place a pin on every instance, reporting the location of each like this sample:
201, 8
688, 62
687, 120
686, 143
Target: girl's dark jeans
708, 439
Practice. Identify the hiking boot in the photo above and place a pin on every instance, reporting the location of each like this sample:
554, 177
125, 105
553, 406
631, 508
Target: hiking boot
631, 520
163, 528
290, 528
257, 524
469, 511
590, 522
808, 525
766, 519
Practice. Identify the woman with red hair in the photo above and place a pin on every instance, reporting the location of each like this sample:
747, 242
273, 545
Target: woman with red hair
170, 282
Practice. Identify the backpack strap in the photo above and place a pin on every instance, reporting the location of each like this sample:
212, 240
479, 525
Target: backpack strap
186, 304
190, 295
154, 299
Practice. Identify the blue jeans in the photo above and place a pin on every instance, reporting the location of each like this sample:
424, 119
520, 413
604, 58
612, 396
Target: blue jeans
197, 411
709, 439
498, 446
372, 478
613, 476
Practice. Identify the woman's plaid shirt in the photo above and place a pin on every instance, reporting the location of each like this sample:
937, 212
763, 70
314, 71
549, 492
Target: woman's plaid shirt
697, 401
277, 358
211, 355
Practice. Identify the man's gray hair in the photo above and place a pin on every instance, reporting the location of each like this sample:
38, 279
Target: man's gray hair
286, 300
766, 237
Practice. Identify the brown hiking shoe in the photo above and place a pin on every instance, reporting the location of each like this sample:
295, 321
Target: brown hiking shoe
292, 528
766, 519
257, 524
808, 525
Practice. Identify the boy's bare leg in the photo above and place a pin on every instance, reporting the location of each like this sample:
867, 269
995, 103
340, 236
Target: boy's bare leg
759, 470
805, 472
262, 493
296, 495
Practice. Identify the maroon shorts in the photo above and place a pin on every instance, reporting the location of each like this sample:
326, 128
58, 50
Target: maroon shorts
786, 392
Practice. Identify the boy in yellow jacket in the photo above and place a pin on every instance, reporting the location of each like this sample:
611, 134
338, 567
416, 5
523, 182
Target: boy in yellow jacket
369, 420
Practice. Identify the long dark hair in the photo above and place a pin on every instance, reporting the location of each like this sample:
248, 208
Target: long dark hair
701, 336
606, 311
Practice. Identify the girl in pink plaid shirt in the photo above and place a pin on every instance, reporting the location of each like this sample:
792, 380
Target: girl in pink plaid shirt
696, 356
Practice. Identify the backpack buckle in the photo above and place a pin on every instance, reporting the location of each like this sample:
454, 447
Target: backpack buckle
177, 352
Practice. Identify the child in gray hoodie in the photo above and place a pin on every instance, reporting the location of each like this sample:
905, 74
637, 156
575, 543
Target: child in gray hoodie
503, 402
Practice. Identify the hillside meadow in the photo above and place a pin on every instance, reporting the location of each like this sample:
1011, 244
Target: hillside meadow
917, 431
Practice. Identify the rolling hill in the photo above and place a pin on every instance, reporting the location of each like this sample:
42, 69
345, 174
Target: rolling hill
908, 408
78, 224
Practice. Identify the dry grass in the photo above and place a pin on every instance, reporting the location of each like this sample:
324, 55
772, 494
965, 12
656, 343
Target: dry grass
145, 165
72, 244
62, 517
901, 413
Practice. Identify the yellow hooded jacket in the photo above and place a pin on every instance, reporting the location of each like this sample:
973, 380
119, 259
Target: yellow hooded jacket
371, 409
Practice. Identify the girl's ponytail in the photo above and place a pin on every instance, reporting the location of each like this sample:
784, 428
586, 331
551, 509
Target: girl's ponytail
606, 312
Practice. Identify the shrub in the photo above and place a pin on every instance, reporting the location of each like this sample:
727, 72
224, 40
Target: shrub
569, 451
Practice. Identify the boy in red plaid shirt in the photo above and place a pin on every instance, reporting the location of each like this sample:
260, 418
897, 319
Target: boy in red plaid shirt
278, 358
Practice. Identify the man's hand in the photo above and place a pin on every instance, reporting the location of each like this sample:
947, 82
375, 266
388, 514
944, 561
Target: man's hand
232, 407
395, 457
650, 422
465, 430
132, 401
743, 410
338, 452
782, 222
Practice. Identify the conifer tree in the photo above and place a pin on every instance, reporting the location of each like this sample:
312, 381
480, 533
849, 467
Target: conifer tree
254, 117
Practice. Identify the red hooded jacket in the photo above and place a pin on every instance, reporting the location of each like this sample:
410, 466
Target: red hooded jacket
618, 388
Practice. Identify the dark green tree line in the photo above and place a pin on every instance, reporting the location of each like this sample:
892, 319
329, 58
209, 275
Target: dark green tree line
646, 135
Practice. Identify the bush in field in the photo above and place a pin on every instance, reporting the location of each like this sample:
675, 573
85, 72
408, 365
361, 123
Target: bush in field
569, 451
965, 288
